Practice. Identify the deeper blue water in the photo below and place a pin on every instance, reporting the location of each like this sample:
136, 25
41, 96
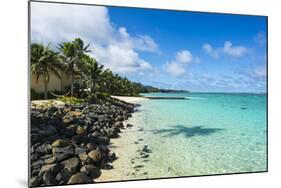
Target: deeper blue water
209, 133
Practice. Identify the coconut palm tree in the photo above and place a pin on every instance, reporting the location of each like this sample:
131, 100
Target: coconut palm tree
106, 80
43, 62
72, 54
93, 71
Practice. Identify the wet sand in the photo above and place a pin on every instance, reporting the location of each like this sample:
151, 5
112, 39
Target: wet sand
129, 165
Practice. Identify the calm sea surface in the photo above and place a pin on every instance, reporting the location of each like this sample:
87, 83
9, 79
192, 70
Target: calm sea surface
211, 133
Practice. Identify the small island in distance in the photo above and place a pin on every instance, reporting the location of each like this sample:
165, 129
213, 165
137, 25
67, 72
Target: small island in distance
151, 89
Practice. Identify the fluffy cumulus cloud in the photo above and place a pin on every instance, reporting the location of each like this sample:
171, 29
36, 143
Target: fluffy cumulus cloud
235, 51
178, 66
175, 69
210, 50
227, 49
260, 71
112, 46
184, 56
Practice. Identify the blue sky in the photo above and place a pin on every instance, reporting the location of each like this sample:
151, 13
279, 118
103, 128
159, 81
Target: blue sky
167, 49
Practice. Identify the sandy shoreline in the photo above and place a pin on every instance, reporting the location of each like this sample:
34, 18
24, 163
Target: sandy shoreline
130, 99
127, 148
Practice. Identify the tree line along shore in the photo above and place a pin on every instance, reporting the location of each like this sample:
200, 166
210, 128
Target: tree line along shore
74, 60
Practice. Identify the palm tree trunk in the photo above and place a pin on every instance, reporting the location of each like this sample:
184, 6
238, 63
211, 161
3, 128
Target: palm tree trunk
94, 84
45, 90
71, 84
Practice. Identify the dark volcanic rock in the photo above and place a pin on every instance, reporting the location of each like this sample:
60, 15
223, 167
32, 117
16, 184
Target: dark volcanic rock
35, 157
108, 166
44, 149
91, 146
146, 149
83, 156
68, 138
63, 176
118, 124
91, 171
79, 178
129, 125
80, 131
103, 140
69, 132
71, 164
95, 155
63, 152
35, 181
78, 139
112, 133
37, 164
79, 149
60, 143
52, 168
49, 179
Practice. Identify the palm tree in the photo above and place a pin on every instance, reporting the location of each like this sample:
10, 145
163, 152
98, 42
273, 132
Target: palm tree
72, 54
43, 62
106, 80
93, 71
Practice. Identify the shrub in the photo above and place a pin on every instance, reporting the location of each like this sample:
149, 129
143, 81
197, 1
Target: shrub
71, 100
98, 96
36, 96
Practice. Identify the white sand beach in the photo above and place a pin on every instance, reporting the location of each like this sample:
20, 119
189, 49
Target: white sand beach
126, 148
130, 99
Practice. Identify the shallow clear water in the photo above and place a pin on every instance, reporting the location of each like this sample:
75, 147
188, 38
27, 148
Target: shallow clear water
207, 134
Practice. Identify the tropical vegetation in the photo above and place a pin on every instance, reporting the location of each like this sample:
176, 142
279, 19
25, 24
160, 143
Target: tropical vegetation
73, 59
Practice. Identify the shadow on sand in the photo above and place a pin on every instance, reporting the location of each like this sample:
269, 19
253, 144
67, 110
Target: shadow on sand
186, 131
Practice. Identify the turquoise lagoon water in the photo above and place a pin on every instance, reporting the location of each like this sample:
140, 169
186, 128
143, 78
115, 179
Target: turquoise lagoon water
211, 133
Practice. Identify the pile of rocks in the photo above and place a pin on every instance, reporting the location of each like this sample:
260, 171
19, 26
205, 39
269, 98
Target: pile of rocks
69, 143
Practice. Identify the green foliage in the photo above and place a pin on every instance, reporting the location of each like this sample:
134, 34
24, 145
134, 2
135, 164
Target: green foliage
40, 96
36, 96
95, 81
71, 54
79, 91
101, 95
43, 62
71, 100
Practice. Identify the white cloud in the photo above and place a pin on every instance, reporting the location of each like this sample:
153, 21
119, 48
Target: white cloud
184, 56
145, 65
146, 43
260, 71
260, 38
123, 32
228, 49
235, 51
210, 50
175, 69
121, 60
58, 22
141, 42
112, 46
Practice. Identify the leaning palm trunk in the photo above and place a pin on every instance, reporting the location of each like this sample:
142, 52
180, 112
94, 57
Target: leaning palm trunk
71, 84
45, 90
94, 86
